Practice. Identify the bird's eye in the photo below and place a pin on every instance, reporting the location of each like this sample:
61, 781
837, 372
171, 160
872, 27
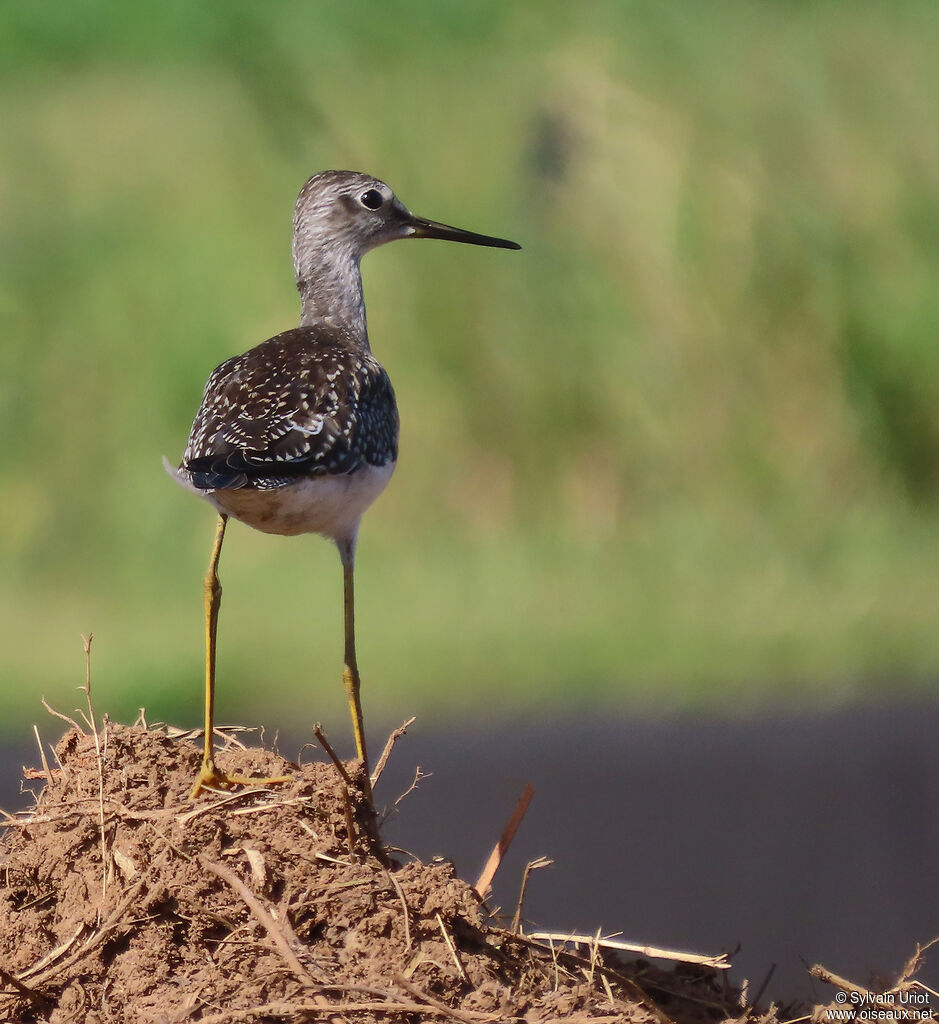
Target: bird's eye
371, 199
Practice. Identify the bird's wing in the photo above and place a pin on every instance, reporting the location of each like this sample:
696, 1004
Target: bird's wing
300, 404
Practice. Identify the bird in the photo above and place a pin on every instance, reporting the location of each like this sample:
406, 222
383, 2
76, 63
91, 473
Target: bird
300, 433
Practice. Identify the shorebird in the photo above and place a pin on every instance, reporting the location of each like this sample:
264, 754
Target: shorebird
300, 434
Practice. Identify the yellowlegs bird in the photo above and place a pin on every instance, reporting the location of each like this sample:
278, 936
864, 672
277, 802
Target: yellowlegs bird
300, 434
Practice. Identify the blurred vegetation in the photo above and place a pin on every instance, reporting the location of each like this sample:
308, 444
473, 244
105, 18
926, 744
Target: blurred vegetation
683, 448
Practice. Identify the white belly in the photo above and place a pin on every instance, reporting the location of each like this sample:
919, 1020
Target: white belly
330, 505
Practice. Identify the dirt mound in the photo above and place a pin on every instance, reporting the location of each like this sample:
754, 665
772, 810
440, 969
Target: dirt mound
122, 900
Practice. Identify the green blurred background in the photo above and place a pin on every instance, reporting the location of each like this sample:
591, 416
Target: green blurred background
681, 450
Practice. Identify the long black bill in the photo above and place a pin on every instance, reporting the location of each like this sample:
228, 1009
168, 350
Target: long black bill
422, 228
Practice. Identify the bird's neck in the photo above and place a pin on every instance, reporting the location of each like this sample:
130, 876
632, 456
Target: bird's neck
329, 280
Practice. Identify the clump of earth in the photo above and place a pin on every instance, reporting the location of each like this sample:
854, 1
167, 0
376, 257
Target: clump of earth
121, 899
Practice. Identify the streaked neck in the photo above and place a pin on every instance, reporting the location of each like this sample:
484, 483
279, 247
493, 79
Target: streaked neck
330, 285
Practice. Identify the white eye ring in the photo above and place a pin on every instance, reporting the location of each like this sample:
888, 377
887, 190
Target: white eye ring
371, 199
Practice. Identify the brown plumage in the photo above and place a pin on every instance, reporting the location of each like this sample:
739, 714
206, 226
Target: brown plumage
308, 402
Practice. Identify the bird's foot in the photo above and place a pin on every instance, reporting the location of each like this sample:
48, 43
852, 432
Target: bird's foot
210, 778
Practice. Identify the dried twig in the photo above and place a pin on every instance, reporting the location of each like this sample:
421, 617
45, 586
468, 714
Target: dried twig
405, 908
38, 819
206, 808
42, 757
913, 965
389, 746
25, 818
65, 718
461, 970
605, 981
58, 760
505, 841
227, 733
826, 976
346, 786
36, 998
53, 954
925, 988
594, 948
324, 743
274, 805
105, 860
532, 865
419, 776
468, 1016
858, 992
719, 962
264, 919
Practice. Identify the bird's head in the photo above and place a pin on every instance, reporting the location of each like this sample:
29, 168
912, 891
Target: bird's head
351, 212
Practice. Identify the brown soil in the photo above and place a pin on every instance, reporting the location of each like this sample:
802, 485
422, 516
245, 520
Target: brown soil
133, 903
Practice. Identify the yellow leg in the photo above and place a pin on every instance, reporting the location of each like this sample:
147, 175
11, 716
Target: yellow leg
350, 670
209, 775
